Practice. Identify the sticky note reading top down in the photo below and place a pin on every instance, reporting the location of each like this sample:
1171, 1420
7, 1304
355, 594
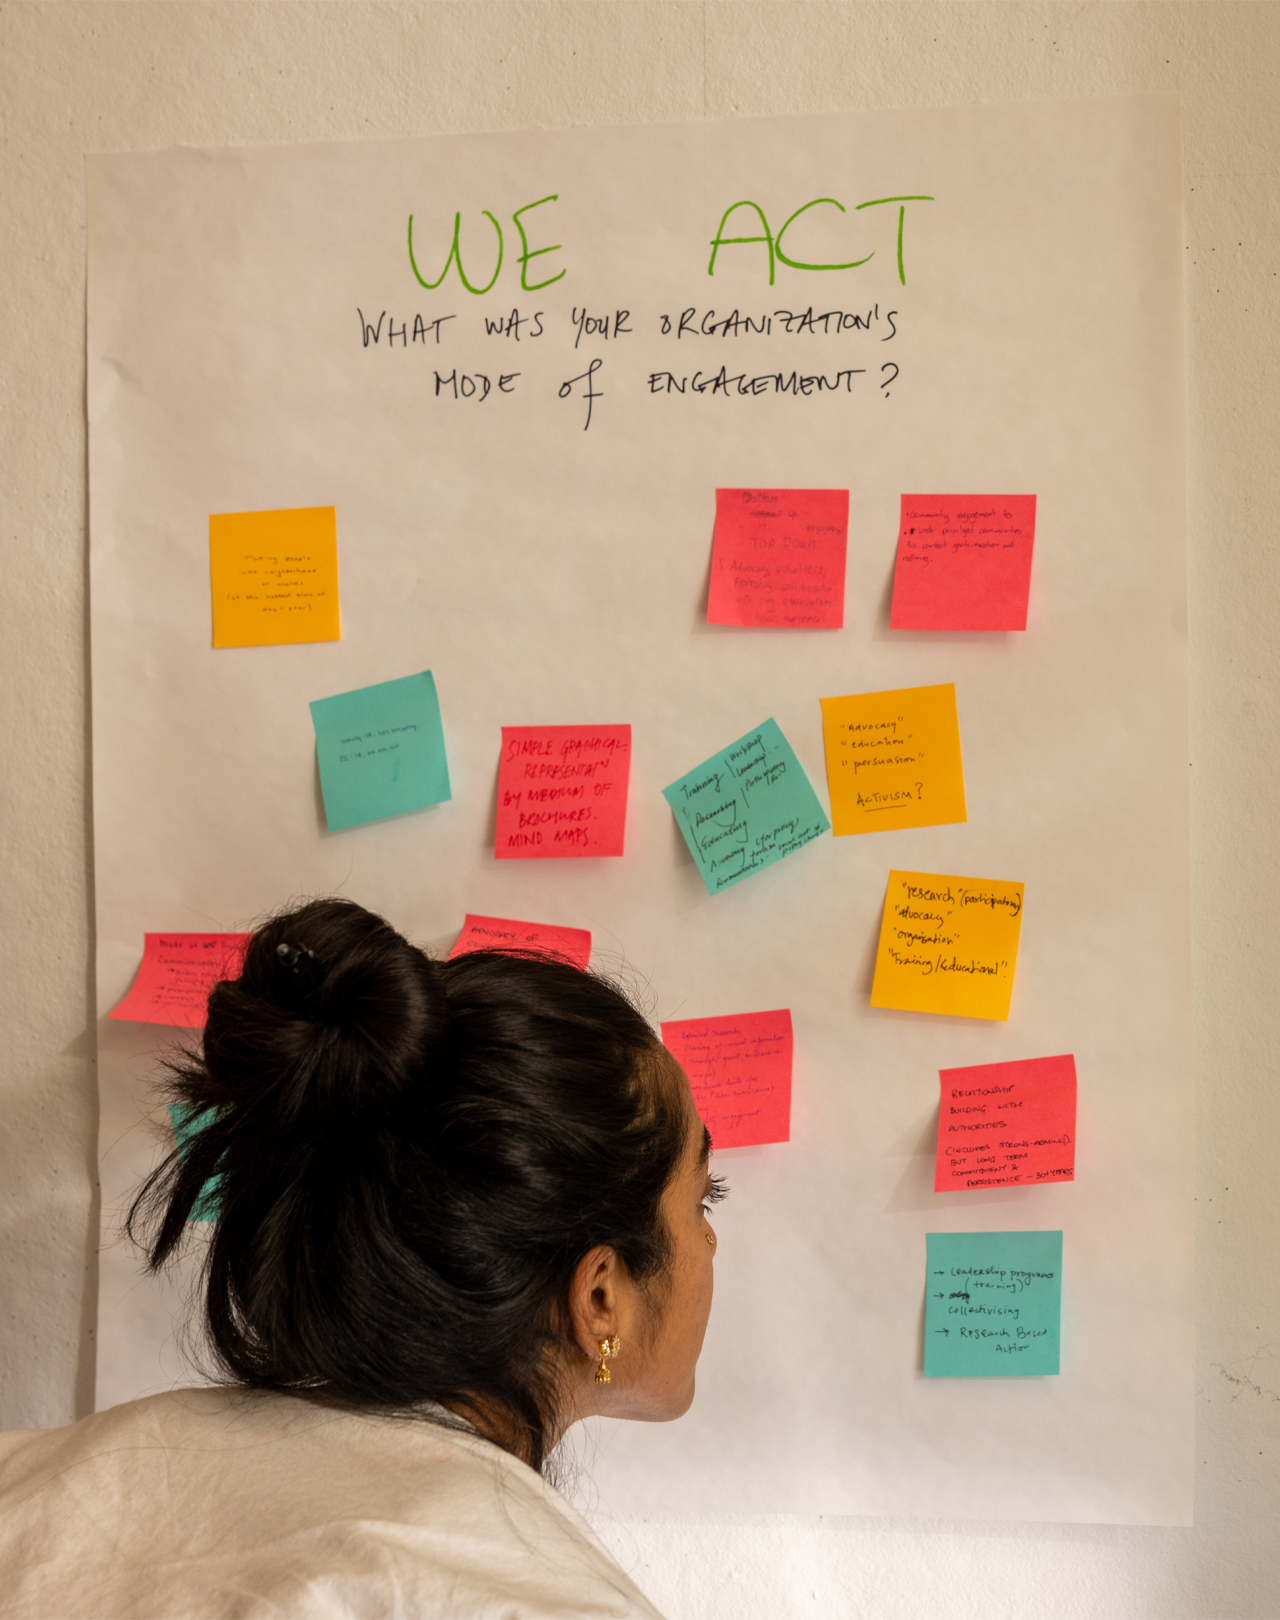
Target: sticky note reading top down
948, 945
745, 808
993, 1304
964, 562
274, 576
502, 934
175, 977
740, 1071
778, 558
562, 790
893, 759
381, 750
1007, 1124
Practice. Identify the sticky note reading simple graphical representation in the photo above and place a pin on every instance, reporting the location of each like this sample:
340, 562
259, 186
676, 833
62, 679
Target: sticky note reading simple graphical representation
1007, 1124
746, 807
274, 576
562, 791
964, 562
992, 1304
502, 934
893, 759
175, 977
778, 558
381, 750
948, 945
740, 1071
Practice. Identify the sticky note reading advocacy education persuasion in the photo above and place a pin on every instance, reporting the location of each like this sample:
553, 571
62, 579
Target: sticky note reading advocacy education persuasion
948, 945
893, 759
993, 1304
746, 807
381, 750
175, 977
502, 934
274, 576
1007, 1124
562, 791
740, 1072
778, 558
964, 562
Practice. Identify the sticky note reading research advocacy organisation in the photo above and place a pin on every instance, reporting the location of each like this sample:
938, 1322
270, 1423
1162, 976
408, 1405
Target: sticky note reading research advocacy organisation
1007, 1124
964, 562
562, 791
381, 750
893, 759
502, 934
740, 1072
992, 1304
948, 945
778, 558
175, 977
274, 576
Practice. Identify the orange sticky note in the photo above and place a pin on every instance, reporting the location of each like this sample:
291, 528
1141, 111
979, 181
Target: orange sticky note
740, 1072
175, 977
502, 934
274, 576
964, 562
778, 558
948, 945
562, 791
893, 759
1007, 1124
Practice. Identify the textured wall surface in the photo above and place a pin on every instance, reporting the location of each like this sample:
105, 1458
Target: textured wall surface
104, 77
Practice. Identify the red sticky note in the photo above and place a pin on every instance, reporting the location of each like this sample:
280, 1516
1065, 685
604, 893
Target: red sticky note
740, 1071
175, 977
562, 790
778, 558
1007, 1125
964, 562
502, 934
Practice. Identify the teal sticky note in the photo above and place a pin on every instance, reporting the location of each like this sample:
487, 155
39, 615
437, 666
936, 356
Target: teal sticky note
381, 750
746, 807
993, 1304
185, 1126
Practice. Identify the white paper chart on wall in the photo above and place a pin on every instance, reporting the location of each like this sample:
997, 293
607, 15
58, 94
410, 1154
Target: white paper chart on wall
640, 446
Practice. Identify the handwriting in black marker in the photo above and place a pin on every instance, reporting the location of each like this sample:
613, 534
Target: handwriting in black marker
590, 392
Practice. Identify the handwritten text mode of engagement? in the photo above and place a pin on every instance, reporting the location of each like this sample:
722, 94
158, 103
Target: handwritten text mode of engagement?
778, 558
1007, 1124
274, 576
175, 977
893, 759
740, 1070
562, 792
948, 945
993, 1304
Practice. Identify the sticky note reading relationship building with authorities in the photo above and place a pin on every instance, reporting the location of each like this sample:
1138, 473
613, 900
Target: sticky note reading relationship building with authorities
274, 576
964, 562
778, 558
1007, 1124
745, 808
948, 945
992, 1304
502, 934
562, 791
381, 750
740, 1072
175, 977
893, 759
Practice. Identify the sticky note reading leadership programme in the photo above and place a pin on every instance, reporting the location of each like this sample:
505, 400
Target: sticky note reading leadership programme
778, 558
562, 791
964, 562
1007, 1124
740, 1072
993, 1304
948, 945
746, 807
175, 977
893, 759
274, 576
381, 750
503, 934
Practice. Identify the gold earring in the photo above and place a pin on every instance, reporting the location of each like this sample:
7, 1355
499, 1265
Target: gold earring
711, 1238
608, 1347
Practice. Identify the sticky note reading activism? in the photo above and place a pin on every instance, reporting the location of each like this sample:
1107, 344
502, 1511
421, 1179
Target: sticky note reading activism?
562, 791
964, 562
745, 808
1007, 1124
502, 934
274, 576
893, 759
948, 945
381, 750
175, 977
993, 1304
778, 558
740, 1072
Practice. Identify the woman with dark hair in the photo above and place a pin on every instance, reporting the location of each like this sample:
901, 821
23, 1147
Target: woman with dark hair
457, 1206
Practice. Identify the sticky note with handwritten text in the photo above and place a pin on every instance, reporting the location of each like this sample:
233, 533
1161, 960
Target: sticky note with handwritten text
381, 750
964, 562
948, 945
992, 1304
746, 807
187, 1123
503, 934
778, 558
274, 576
1007, 1124
562, 791
740, 1071
893, 759
175, 977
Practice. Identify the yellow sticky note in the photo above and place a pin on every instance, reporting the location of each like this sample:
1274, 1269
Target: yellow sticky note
893, 759
274, 576
948, 945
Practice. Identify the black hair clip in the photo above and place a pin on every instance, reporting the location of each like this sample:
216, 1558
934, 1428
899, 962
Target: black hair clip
304, 969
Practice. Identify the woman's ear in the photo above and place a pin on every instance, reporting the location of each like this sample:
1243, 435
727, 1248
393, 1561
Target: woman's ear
595, 1303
